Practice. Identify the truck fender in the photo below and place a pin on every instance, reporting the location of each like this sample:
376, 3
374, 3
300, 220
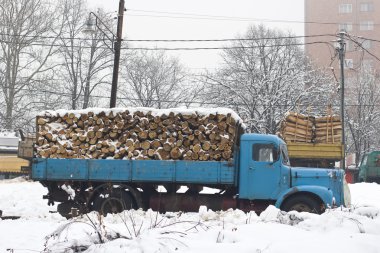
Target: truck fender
323, 193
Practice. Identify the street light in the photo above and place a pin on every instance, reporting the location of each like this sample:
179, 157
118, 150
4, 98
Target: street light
115, 40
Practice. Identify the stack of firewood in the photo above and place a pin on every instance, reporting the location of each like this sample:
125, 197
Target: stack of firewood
137, 134
328, 129
297, 127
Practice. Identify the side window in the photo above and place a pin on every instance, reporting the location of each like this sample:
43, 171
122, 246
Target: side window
284, 154
377, 160
264, 153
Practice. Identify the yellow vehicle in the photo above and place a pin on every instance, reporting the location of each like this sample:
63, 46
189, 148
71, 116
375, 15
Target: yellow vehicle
10, 164
322, 155
313, 141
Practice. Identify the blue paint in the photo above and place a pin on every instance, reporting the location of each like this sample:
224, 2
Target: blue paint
261, 171
109, 170
134, 171
324, 193
259, 179
153, 171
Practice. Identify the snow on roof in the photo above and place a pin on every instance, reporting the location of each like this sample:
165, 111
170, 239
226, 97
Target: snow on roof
8, 140
5, 133
154, 111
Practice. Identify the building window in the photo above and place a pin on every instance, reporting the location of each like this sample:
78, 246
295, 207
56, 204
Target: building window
348, 63
366, 26
366, 7
366, 44
345, 27
345, 8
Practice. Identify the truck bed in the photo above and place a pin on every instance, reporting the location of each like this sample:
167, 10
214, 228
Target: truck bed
328, 151
158, 171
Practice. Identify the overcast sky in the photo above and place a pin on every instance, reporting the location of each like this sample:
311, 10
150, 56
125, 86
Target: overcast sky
141, 21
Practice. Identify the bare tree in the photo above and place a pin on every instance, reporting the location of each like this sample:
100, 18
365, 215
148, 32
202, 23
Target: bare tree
23, 60
264, 75
362, 113
152, 79
86, 63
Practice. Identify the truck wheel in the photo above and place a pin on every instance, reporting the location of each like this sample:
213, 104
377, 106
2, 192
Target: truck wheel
114, 202
64, 208
302, 203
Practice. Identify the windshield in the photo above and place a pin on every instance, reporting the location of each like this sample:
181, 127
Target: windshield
364, 161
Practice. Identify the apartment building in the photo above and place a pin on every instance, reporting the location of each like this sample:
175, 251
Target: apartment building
360, 19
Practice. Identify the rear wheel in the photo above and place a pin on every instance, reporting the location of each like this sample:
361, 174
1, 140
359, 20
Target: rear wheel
114, 201
302, 203
65, 209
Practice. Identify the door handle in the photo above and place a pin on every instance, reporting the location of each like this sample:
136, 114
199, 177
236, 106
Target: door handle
250, 168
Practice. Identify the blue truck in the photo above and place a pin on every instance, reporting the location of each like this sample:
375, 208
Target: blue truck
260, 174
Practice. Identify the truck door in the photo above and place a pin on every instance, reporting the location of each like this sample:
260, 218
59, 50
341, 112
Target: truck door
260, 172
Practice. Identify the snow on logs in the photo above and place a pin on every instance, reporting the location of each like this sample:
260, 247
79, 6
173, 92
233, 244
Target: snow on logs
297, 127
138, 133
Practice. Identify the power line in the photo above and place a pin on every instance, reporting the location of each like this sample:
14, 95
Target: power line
171, 40
224, 48
174, 49
218, 18
225, 40
361, 46
184, 15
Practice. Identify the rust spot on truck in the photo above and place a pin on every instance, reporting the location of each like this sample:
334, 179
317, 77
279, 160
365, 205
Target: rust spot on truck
294, 190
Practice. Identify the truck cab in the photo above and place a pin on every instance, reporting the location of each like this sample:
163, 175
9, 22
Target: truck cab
369, 169
266, 173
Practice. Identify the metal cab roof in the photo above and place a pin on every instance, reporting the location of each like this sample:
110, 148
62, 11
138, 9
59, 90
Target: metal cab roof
262, 137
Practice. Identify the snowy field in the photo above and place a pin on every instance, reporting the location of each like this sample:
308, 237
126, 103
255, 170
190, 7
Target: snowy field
341, 230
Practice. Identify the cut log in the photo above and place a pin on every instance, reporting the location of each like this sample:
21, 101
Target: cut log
138, 135
175, 153
155, 144
41, 121
145, 145
196, 148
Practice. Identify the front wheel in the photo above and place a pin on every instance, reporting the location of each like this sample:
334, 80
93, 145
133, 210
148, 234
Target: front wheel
302, 203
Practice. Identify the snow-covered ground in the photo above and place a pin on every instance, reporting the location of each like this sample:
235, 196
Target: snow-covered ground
341, 230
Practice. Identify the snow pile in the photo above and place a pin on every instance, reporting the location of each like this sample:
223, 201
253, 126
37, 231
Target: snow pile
348, 230
19, 197
365, 194
155, 112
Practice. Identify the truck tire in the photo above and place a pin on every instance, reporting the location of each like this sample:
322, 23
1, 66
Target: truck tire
64, 208
302, 203
114, 202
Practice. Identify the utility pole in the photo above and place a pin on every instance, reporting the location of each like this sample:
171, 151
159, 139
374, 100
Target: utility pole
115, 74
341, 51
